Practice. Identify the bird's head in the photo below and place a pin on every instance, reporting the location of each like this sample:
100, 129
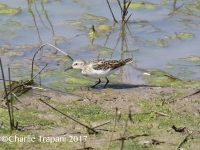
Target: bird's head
78, 64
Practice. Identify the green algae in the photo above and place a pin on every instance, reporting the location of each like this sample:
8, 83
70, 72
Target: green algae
78, 80
185, 35
106, 52
161, 42
97, 47
6, 46
17, 64
4, 9
11, 23
105, 28
169, 37
162, 78
44, 1
81, 27
73, 22
164, 2
180, 35
193, 7
26, 46
59, 38
3, 5
94, 34
191, 58
143, 5
13, 53
97, 19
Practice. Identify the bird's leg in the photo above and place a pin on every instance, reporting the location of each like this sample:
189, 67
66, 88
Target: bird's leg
106, 83
96, 83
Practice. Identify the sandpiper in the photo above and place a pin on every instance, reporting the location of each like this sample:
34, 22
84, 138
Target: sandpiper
99, 68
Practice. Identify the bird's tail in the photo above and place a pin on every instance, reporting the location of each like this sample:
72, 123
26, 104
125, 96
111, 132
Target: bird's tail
127, 61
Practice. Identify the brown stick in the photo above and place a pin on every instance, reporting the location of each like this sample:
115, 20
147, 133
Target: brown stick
68, 116
40, 49
184, 140
24, 83
11, 102
5, 90
111, 11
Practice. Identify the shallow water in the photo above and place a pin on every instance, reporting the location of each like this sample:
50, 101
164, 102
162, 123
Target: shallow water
40, 21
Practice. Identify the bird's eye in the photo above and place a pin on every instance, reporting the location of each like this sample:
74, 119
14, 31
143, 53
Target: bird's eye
76, 64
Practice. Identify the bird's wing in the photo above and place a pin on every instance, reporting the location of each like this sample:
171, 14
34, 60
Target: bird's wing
111, 64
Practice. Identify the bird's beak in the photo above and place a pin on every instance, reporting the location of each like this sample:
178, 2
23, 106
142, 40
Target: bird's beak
69, 68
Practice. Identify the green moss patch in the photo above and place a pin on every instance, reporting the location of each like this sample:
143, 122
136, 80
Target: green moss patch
4, 9
143, 5
97, 19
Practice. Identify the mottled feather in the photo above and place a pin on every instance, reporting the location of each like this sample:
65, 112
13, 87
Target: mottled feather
111, 64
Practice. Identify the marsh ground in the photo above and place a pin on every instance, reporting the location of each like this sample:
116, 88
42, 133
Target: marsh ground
154, 110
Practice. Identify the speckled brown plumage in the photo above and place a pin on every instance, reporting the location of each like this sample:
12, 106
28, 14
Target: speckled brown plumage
113, 64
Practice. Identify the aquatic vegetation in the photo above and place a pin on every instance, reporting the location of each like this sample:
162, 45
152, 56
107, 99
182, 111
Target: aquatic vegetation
13, 53
144, 5
164, 2
105, 28
26, 46
17, 64
180, 35
161, 42
11, 23
185, 35
6, 46
161, 78
59, 38
81, 27
44, 1
192, 7
191, 58
3, 5
97, 47
4, 9
94, 34
78, 80
106, 52
97, 19
73, 22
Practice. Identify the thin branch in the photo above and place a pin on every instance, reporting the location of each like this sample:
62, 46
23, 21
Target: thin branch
160, 113
175, 10
68, 116
24, 84
188, 95
128, 17
40, 49
101, 124
16, 97
182, 142
38, 73
5, 90
111, 11
11, 102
